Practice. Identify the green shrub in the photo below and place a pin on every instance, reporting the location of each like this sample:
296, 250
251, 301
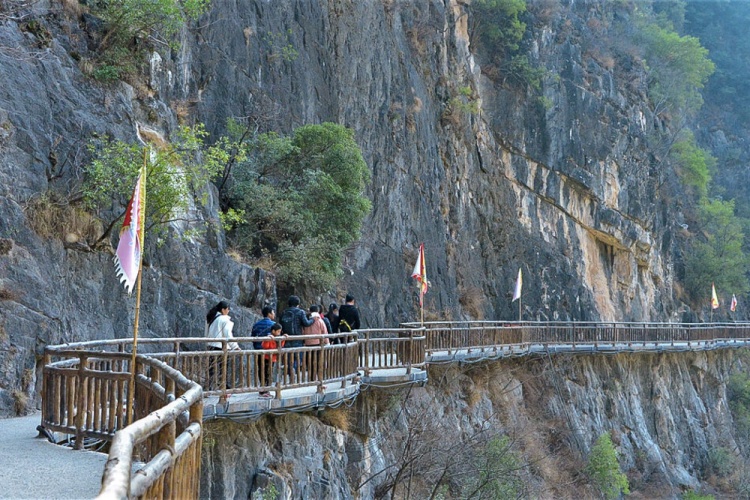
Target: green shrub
302, 199
106, 73
499, 31
604, 470
498, 23
720, 462
695, 165
497, 472
693, 495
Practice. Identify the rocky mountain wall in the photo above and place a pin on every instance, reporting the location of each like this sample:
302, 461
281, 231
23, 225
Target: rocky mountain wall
563, 190
561, 187
561, 184
667, 414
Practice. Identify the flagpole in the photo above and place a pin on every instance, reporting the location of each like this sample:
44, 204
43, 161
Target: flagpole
131, 387
131, 390
519, 309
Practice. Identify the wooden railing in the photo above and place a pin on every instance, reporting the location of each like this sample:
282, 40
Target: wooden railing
391, 348
229, 371
85, 385
484, 336
85, 393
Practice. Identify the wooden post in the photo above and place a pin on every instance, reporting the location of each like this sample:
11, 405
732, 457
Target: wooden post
319, 367
225, 346
81, 401
133, 354
279, 371
411, 350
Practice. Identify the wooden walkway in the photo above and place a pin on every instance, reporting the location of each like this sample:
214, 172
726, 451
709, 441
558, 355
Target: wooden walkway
178, 383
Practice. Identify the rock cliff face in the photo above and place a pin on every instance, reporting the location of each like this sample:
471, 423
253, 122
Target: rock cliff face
563, 187
667, 414
564, 192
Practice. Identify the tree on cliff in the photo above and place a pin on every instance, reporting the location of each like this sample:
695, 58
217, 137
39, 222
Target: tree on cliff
175, 174
717, 255
297, 202
604, 469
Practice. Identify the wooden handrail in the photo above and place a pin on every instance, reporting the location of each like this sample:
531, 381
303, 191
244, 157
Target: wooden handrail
173, 451
85, 393
85, 384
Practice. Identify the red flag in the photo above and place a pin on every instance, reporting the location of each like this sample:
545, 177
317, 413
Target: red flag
420, 274
733, 306
129, 249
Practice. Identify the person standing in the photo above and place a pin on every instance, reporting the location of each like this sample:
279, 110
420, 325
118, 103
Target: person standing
293, 320
219, 326
348, 315
262, 328
315, 358
270, 360
325, 319
333, 318
317, 328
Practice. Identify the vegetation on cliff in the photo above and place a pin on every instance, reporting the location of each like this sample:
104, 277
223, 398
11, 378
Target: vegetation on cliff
132, 27
296, 203
604, 469
292, 203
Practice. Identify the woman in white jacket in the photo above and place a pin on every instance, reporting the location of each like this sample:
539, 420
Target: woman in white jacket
219, 326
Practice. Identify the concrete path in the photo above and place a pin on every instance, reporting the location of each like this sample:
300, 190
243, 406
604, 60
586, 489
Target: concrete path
32, 467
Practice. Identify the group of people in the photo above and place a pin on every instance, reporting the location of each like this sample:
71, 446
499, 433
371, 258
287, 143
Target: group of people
294, 321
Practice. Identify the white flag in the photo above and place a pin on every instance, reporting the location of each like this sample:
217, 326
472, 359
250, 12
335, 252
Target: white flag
519, 285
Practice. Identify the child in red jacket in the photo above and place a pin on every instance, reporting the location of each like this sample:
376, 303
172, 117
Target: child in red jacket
270, 359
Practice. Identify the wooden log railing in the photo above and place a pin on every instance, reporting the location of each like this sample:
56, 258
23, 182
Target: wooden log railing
85, 394
85, 386
391, 348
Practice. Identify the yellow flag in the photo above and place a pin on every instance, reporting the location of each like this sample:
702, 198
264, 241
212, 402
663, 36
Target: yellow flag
714, 298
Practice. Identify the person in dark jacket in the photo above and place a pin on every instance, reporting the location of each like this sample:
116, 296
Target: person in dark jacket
348, 315
333, 318
292, 320
329, 327
262, 328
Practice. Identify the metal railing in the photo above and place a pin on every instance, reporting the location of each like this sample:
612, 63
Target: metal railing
494, 336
